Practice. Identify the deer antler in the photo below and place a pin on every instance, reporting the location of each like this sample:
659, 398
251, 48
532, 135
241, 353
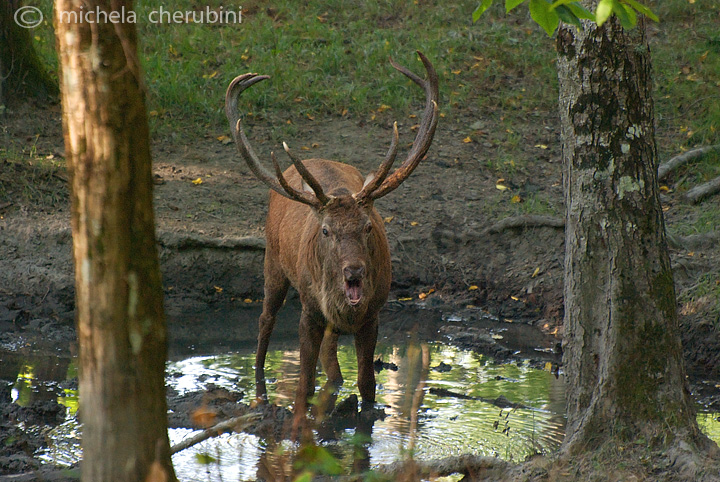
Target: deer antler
275, 182
380, 185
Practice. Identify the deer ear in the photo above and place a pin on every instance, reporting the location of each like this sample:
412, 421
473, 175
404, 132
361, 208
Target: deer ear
368, 178
306, 187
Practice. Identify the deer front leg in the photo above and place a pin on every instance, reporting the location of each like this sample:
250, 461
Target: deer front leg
365, 340
311, 335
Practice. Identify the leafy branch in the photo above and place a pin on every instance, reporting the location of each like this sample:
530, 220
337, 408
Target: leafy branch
549, 14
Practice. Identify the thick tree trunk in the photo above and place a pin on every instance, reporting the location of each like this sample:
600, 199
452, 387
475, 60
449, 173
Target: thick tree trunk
120, 319
21, 71
623, 358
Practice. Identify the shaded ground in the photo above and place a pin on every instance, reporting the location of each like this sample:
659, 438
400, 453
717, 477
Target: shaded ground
436, 225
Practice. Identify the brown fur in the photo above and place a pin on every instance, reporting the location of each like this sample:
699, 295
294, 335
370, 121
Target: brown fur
299, 254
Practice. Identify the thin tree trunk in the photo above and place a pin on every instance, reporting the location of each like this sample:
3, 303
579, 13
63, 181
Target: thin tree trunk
120, 318
622, 356
21, 71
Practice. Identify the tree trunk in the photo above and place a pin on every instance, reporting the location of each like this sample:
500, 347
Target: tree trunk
120, 318
21, 71
623, 357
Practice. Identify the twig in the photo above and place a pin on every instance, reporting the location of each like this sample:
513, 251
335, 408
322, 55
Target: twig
698, 193
677, 161
191, 241
236, 424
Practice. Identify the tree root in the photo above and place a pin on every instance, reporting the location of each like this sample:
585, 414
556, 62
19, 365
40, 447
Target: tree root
679, 160
236, 424
695, 241
183, 241
526, 221
698, 193
474, 466
513, 222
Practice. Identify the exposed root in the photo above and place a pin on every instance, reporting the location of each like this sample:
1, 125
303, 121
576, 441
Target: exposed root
679, 160
194, 241
526, 221
474, 467
698, 193
513, 222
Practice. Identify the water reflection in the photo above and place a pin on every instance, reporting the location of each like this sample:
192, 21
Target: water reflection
419, 421
429, 423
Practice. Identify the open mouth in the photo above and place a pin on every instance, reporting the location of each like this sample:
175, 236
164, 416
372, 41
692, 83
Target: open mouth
353, 291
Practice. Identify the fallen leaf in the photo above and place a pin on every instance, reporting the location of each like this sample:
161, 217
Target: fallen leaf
383, 108
304, 148
310, 117
664, 189
541, 146
210, 76
225, 140
467, 140
414, 223
472, 288
388, 219
404, 299
247, 300
514, 298
422, 296
315, 145
198, 181
536, 272
244, 57
516, 199
456, 72
501, 187
218, 289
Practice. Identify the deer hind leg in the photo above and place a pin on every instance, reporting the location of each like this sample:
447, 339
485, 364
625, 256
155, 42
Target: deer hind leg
329, 360
276, 288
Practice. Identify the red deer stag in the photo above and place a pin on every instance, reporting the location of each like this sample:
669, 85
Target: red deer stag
325, 238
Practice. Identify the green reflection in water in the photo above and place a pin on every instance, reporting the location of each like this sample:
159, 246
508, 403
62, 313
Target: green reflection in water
23, 387
444, 425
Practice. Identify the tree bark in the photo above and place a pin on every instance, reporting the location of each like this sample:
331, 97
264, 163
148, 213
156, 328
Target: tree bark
21, 71
119, 314
622, 351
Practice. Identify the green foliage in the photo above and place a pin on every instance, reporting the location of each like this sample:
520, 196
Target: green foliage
549, 15
315, 460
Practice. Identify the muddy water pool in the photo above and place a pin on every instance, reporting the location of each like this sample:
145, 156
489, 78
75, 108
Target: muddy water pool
439, 400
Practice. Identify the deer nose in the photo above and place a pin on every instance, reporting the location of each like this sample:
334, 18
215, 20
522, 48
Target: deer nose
353, 273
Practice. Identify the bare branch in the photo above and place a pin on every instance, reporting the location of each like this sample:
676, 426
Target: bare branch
236, 424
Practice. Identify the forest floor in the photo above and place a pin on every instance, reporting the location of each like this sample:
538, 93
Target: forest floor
448, 249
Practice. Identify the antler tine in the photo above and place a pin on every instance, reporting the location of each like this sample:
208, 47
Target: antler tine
276, 183
426, 131
384, 168
307, 177
289, 191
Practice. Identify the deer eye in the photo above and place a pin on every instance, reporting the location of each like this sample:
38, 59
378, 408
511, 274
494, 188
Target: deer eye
325, 231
